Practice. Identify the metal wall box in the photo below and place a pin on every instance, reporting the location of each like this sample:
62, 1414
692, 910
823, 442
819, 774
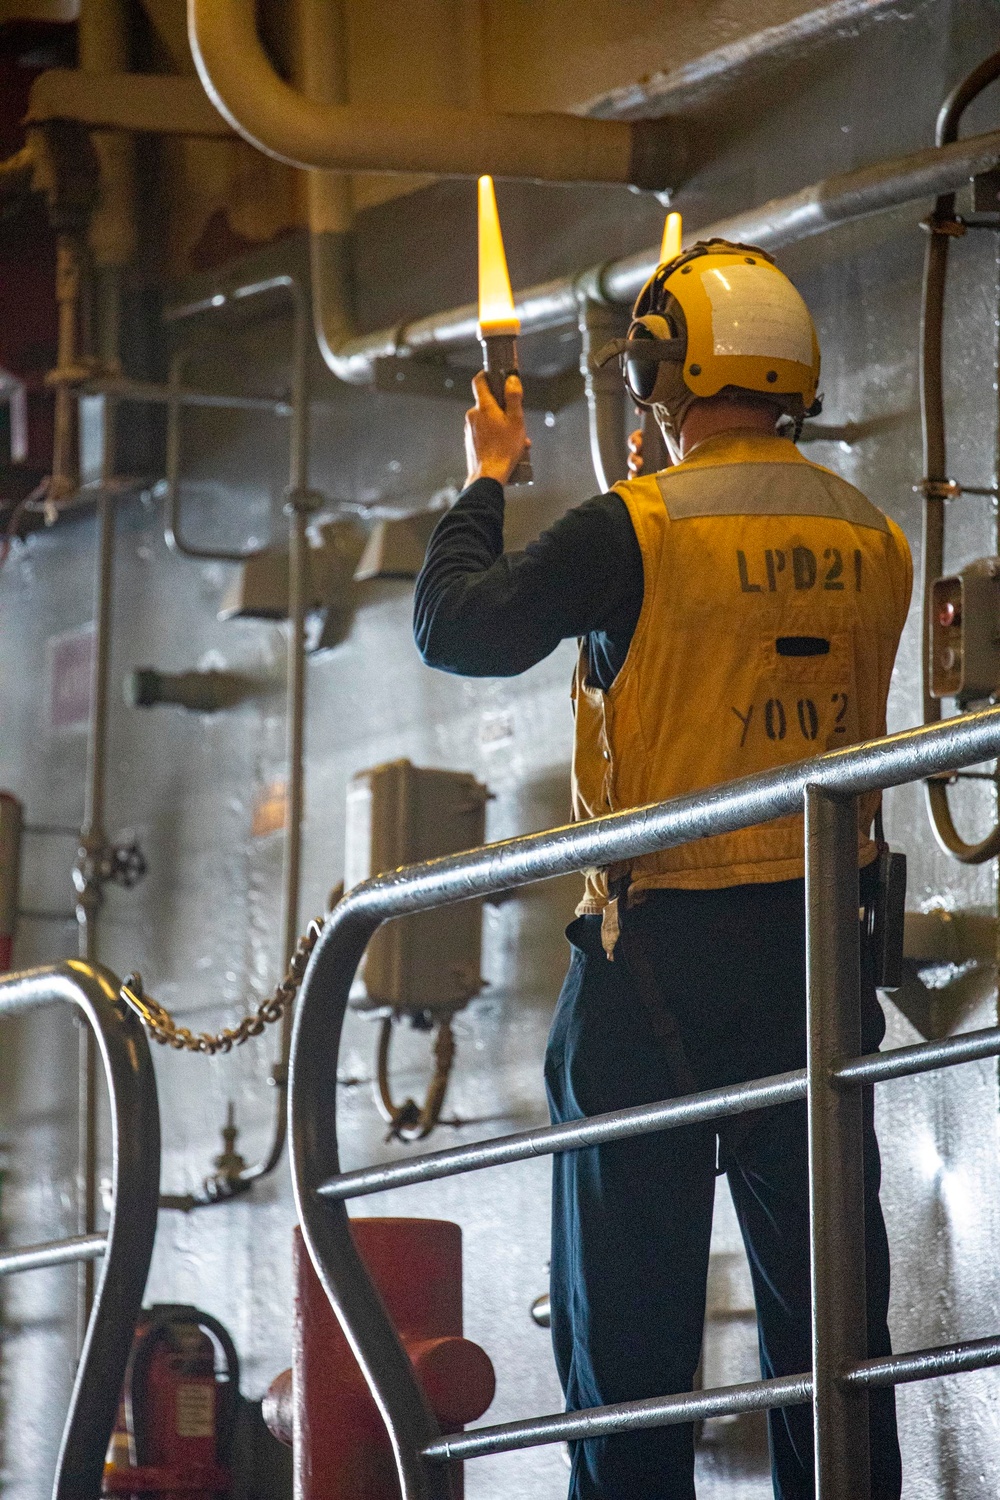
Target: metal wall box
397, 814
260, 589
965, 632
396, 547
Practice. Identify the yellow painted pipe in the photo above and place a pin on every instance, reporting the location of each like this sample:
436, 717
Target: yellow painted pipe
279, 120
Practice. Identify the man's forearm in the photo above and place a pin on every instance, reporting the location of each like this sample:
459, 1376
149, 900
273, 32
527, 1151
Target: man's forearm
484, 613
465, 545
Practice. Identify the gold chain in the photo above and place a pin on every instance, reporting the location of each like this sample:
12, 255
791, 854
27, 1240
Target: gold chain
164, 1029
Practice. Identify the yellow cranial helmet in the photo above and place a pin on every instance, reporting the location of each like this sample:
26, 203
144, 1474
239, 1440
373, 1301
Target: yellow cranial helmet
716, 316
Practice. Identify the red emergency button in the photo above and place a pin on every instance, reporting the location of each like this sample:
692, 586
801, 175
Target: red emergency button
948, 614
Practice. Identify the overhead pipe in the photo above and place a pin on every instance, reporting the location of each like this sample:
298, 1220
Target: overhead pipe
279, 120
589, 299
789, 45
826, 205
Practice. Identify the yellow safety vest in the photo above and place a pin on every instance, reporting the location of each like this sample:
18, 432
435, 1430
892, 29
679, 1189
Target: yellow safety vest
774, 596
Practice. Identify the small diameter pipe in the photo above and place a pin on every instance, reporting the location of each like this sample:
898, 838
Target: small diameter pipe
925, 1364
88, 872
79, 1247
619, 1125
603, 387
173, 534
103, 48
730, 1400
627, 1416
935, 450
574, 1135
300, 503
149, 393
68, 276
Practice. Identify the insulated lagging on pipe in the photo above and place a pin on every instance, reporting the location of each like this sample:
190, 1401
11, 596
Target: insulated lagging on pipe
941, 226
499, 361
305, 132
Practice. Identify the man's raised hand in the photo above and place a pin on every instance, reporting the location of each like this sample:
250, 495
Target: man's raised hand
495, 439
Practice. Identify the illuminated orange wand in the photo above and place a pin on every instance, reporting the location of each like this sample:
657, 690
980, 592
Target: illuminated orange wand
499, 325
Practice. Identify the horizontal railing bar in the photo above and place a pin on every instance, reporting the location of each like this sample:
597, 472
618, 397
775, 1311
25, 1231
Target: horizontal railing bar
574, 1135
926, 1364
628, 1416
922, 1057
693, 1406
910, 755
646, 1119
52, 1253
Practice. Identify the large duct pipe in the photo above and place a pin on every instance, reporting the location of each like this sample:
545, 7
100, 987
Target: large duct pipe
322, 72
103, 48
279, 120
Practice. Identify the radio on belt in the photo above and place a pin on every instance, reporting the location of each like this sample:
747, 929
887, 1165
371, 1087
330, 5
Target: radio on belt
965, 632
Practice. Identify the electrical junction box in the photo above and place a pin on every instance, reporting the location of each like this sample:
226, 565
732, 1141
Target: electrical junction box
399, 814
396, 547
260, 589
965, 632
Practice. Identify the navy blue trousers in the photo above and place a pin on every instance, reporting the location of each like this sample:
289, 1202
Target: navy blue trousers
631, 1223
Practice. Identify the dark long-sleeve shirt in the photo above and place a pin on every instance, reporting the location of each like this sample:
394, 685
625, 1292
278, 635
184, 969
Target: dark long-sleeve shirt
481, 612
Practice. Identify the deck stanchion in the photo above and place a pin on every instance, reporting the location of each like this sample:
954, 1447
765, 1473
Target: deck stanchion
836, 1173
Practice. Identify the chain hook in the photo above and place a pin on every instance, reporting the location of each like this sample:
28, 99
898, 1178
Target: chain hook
164, 1029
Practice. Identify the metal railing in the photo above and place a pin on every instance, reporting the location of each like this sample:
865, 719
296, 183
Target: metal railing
126, 1248
827, 787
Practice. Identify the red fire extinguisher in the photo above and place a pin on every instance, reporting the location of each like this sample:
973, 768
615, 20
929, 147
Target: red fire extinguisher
178, 1409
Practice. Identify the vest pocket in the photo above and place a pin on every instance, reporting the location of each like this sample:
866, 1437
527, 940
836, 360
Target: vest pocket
805, 700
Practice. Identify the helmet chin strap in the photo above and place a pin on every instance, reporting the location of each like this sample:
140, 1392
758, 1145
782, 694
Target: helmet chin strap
670, 437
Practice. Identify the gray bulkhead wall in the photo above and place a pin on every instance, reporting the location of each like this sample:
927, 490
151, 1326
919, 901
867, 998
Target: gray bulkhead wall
204, 927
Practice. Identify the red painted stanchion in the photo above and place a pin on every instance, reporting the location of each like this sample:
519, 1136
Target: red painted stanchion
322, 1406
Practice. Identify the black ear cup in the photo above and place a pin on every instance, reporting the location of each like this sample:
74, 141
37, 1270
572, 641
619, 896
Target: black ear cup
641, 374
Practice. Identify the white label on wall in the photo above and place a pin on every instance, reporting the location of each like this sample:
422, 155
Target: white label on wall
196, 1411
358, 834
757, 313
71, 668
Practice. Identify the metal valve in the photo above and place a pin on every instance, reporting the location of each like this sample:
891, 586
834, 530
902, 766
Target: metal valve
122, 864
126, 865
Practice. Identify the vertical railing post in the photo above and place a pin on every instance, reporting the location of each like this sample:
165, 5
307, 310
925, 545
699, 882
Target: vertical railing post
836, 1179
